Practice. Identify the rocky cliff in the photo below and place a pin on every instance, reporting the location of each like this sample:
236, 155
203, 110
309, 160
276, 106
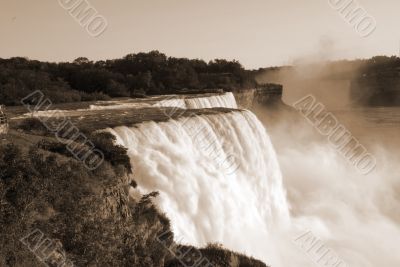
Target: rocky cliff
268, 94
265, 95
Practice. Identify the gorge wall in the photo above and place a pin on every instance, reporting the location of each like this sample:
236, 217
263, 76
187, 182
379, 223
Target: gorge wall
264, 95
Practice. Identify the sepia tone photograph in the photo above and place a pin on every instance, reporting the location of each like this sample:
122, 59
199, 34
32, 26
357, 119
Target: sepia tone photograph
182, 133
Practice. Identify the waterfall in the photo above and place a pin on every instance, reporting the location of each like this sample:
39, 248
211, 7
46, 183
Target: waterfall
218, 177
226, 100
219, 181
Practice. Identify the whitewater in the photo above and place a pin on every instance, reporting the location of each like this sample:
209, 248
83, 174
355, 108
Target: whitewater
220, 182
218, 177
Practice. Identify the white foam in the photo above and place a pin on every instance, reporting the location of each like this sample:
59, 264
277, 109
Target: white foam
226, 100
218, 178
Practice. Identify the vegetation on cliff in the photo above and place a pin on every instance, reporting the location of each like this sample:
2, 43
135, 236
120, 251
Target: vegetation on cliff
87, 216
85, 212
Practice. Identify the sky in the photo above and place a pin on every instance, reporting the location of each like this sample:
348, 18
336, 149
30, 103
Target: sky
258, 33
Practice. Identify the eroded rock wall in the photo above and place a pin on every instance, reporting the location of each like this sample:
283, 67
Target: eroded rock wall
266, 94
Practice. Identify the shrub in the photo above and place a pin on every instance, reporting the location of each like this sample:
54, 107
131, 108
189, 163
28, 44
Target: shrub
53, 146
34, 126
61, 95
115, 154
95, 96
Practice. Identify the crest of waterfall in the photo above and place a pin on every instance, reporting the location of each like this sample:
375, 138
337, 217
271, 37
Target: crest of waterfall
226, 100
218, 177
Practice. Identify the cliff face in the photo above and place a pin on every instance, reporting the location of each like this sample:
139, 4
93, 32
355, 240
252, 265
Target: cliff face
244, 98
55, 211
268, 94
265, 95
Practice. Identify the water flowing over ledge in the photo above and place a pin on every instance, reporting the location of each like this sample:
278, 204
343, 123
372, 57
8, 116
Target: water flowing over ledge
225, 100
218, 177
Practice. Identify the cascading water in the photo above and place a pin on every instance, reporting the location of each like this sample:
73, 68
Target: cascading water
219, 181
218, 177
226, 100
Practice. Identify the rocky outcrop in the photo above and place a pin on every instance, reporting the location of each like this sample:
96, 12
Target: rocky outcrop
268, 94
244, 97
265, 95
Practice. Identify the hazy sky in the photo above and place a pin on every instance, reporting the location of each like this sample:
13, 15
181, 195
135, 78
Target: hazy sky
255, 32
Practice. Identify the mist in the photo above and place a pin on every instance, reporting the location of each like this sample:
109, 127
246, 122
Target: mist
329, 81
354, 215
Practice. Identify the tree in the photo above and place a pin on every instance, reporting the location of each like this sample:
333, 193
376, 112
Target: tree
82, 61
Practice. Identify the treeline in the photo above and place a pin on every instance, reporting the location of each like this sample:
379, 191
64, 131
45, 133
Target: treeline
134, 75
